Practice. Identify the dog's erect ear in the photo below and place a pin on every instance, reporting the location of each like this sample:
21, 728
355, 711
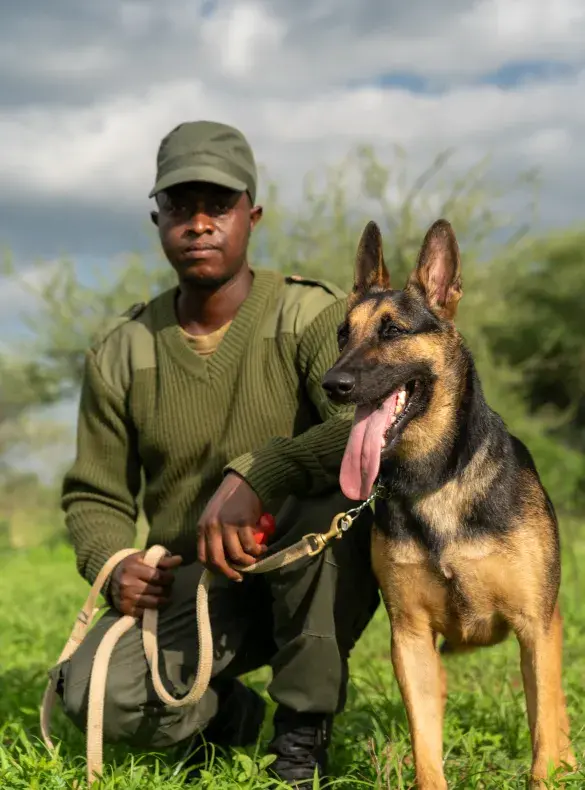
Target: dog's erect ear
438, 270
371, 273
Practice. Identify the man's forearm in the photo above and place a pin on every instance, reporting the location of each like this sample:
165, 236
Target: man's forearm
305, 465
97, 534
100, 490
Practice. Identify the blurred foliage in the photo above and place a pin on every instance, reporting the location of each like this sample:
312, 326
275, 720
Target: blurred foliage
521, 312
542, 297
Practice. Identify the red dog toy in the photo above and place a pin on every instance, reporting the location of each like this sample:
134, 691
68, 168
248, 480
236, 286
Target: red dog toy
265, 529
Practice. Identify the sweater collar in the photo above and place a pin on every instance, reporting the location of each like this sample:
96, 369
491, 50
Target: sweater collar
249, 314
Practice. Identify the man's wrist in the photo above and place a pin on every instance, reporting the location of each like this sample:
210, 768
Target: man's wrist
268, 473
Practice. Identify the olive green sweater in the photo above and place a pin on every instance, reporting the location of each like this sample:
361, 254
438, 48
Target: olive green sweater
153, 410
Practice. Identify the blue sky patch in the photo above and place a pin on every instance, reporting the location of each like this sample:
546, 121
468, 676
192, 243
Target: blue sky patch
414, 83
208, 8
509, 75
515, 73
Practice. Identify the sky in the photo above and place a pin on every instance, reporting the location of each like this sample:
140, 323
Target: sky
87, 91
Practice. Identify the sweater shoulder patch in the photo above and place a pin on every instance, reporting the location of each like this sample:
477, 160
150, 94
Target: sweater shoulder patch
326, 285
111, 324
302, 300
133, 312
124, 345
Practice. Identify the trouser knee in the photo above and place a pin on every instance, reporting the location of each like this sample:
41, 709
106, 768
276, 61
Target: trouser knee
122, 715
132, 713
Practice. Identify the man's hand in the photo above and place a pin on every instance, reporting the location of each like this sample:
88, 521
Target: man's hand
136, 586
226, 528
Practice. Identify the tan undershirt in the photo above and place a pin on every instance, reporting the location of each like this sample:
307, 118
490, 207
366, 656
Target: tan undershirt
205, 345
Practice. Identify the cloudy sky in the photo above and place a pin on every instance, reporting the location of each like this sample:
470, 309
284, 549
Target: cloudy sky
88, 89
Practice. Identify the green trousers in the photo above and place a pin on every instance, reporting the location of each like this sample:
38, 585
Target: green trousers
302, 620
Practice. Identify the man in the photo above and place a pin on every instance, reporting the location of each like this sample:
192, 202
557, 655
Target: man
211, 397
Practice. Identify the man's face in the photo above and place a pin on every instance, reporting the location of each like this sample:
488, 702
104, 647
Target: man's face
204, 230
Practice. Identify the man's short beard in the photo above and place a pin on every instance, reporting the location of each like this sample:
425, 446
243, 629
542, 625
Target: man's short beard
207, 283
200, 282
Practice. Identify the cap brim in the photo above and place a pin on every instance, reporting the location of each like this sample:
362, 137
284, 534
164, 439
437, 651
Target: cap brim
209, 175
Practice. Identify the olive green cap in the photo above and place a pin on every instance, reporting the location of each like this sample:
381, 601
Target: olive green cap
206, 151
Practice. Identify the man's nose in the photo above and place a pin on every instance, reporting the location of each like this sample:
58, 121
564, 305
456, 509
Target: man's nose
200, 222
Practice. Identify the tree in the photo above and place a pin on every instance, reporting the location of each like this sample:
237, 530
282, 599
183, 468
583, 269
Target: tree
544, 331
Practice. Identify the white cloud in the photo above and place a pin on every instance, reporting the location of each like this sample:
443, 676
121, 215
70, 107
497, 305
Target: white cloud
524, 29
281, 71
242, 36
286, 47
106, 152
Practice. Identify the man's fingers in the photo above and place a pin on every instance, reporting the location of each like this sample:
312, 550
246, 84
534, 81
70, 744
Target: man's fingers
142, 572
201, 546
234, 549
248, 541
149, 589
216, 555
162, 578
149, 602
162, 575
170, 563
221, 545
134, 603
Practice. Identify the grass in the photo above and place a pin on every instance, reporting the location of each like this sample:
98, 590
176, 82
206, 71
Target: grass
486, 736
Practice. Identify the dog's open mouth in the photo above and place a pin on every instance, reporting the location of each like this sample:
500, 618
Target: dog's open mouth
401, 413
375, 431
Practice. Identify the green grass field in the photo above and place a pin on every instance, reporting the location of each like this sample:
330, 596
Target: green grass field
486, 736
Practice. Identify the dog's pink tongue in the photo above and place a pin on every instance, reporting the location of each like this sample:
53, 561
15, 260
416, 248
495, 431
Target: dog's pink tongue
361, 461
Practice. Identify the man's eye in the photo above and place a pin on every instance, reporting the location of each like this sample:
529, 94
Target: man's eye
178, 208
218, 209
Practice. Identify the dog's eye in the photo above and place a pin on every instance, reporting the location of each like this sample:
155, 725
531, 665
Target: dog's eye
388, 330
342, 336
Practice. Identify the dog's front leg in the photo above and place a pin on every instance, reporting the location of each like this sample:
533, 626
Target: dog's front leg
418, 673
541, 651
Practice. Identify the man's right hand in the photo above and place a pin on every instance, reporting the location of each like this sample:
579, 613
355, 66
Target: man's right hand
136, 586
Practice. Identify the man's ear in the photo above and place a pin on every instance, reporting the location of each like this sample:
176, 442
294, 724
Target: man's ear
256, 213
438, 270
371, 274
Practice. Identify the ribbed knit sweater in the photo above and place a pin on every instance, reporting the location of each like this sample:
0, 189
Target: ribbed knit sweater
155, 412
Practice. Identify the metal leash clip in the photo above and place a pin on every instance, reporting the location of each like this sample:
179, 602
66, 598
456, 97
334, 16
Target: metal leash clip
342, 522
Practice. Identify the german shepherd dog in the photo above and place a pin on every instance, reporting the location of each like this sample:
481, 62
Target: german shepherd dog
467, 543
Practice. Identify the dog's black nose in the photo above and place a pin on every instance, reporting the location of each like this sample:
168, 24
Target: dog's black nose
338, 384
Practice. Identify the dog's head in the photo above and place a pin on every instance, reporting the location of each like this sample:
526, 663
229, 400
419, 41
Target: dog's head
398, 357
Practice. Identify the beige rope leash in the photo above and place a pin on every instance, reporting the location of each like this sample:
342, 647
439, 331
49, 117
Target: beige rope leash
309, 546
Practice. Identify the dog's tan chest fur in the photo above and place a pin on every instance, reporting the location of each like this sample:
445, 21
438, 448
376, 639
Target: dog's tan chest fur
470, 593
444, 510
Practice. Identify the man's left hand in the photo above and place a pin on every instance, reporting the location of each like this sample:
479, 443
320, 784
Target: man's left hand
226, 528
